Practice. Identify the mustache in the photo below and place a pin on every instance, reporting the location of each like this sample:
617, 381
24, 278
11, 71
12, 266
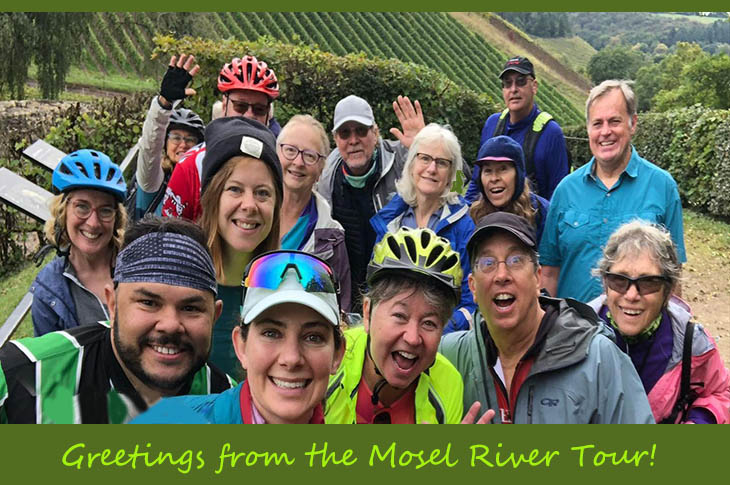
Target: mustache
166, 339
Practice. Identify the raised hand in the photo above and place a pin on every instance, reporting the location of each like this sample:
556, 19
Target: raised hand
179, 73
411, 120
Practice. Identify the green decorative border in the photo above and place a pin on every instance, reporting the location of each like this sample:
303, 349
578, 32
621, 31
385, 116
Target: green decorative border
131, 454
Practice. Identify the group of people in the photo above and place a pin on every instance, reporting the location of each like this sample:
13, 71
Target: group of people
264, 278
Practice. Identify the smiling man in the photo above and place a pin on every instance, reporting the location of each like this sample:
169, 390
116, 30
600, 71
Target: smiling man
542, 140
616, 186
536, 359
360, 174
157, 345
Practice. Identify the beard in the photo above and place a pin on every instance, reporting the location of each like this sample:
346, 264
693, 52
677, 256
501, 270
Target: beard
131, 357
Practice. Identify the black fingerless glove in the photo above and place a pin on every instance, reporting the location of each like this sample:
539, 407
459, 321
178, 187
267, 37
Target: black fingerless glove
174, 83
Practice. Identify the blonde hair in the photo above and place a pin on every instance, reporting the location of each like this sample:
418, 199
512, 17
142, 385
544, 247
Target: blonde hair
311, 122
432, 133
521, 207
57, 234
210, 206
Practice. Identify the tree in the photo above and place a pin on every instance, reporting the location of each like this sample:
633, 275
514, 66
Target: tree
50, 39
614, 63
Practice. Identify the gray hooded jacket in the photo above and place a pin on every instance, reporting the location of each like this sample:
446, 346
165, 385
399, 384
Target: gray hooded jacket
578, 376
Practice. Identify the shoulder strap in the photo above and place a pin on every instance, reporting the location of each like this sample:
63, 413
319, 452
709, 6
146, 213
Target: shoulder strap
501, 124
528, 146
685, 397
158, 196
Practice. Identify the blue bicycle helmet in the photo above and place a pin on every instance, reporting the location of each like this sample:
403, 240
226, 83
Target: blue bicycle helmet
89, 169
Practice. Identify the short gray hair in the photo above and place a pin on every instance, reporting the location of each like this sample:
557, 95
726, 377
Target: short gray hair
316, 126
636, 236
433, 132
609, 85
393, 283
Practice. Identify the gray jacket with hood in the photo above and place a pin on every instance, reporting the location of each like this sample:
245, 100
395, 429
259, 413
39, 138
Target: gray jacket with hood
578, 376
392, 158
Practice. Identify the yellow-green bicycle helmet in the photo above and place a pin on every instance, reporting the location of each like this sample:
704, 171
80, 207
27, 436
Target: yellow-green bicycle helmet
420, 251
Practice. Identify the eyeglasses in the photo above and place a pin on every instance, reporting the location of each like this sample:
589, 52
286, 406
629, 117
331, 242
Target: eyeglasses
290, 152
269, 270
382, 418
645, 285
175, 138
242, 107
519, 81
361, 131
82, 210
487, 264
425, 159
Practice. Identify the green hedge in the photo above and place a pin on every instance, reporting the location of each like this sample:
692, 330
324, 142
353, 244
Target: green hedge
693, 144
313, 81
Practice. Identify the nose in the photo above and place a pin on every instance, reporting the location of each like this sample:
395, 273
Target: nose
169, 320
501, 273
411, 334
290, 353
632, 293
93, 219
248, 201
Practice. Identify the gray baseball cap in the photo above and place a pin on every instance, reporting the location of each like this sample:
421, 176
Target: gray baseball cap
353, 108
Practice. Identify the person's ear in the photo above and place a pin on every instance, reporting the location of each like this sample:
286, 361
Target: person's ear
111, 299
239, 346
339, 354
366, 311
472, 287
218, 310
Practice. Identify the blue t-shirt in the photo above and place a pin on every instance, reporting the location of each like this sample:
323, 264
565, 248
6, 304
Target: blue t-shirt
584, 213
550, 157
298, 235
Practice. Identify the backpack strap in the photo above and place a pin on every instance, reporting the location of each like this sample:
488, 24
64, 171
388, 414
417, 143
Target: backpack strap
686, 396
528, 146
501, 124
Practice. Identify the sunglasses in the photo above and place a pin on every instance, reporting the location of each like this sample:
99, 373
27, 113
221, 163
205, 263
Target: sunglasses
242, 107
645, 285
519, 81
360, 131
269, 270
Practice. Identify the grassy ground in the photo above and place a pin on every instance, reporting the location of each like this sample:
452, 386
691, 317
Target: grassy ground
12, 290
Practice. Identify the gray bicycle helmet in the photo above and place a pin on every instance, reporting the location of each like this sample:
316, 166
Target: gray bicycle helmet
186, 119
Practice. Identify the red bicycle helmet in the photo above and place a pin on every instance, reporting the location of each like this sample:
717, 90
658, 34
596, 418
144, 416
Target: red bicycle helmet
248, 73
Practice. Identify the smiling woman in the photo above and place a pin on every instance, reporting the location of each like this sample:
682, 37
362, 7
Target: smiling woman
425, 200
86, 228
241, 200
640, 269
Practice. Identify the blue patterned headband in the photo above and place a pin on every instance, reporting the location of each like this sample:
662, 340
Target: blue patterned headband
168, 258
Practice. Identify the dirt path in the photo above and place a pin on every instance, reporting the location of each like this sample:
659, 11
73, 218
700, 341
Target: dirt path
706, 285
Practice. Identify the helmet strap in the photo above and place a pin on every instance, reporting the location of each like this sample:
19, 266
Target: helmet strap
381, 382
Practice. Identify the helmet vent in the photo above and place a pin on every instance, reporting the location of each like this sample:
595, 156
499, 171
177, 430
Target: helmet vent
97, 171
449, 262
425, 239
81, 167
435, 255
411, 248
394, 247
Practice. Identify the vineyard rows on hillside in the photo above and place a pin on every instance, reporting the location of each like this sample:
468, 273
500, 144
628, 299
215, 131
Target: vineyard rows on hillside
121, 43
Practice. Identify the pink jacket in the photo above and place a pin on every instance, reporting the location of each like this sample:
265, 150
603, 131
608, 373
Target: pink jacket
708, 377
